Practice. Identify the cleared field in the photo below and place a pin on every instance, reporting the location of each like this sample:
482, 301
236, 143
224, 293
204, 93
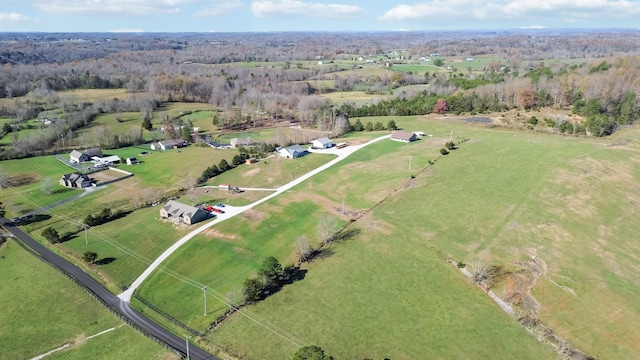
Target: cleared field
272, 172
43, 310
352, 96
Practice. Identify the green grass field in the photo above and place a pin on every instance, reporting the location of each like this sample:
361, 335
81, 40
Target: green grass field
502, 197
30, 181
352, 97
43, 310
272, 172
229, 254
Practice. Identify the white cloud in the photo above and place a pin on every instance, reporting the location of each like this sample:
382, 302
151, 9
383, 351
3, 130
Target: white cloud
459, 11
111, 7
307, 9
13, 17
218, 8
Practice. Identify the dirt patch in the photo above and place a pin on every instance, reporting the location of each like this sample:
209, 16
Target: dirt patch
254, 215
519, 284
215, 233
251, 172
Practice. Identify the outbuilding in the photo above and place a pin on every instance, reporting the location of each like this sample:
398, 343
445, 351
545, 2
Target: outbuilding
403, 136
322, 143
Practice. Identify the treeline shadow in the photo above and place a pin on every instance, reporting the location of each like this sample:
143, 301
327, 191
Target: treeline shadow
31, 219
105, 261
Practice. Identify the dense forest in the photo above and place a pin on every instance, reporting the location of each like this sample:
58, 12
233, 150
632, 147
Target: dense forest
242, 75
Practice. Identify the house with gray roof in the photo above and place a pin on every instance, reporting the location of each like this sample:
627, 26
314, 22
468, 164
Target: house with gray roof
75, 180
292, 152
168, 144
81, 156
178, 212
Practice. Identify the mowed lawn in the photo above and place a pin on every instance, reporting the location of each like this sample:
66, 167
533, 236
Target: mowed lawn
41, 310
168, 170
30, 180
272, 172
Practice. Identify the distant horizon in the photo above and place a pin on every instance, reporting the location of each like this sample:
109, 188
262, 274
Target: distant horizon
470, 30
259, 16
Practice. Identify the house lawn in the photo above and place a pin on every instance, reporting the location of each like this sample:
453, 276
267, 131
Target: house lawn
31, 179
43, 310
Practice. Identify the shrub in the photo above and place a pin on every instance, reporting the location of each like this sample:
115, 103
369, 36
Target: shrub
444, 151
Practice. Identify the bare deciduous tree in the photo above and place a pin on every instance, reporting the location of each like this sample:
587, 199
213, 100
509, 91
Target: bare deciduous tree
327, 228
47, 186
303, 248
479, 270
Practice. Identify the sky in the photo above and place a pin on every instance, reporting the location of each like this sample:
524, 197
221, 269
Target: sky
311, 15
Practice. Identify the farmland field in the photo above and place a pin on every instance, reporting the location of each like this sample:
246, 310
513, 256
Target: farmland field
535, 211
42, 310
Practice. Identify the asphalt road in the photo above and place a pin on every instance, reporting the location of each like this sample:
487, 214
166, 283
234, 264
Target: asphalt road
115, 303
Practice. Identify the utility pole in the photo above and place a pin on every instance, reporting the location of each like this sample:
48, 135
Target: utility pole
342, 206
86, 239
410, 164
187, 343
204, 290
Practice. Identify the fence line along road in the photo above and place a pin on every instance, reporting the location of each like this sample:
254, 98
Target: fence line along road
134, 318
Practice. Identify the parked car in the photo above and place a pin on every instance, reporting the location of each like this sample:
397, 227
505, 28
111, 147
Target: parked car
220, 205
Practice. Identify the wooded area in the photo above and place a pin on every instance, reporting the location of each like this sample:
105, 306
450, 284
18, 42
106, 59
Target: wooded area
251, 79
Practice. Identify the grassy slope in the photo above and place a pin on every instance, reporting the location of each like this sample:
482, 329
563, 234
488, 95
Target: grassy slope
42, 310
228, 256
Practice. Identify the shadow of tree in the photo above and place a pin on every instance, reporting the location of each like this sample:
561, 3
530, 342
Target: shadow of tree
105, 261
26, 220
347, 234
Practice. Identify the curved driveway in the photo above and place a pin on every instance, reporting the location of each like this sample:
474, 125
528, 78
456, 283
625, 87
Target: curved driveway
114, 303
231, 211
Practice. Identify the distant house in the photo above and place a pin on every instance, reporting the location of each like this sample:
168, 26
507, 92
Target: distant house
404, 136
178, 212
292, 152
168, 144
235, 142
322, 143
75, 180
81, 156
132, 161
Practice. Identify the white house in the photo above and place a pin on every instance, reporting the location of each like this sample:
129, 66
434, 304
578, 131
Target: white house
292, 152
81, 156
322, 143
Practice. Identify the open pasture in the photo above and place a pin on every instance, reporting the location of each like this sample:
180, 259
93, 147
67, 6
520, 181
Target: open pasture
43, 310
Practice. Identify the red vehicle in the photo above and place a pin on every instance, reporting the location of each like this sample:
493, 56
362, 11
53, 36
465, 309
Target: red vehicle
209, 208
218, 211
